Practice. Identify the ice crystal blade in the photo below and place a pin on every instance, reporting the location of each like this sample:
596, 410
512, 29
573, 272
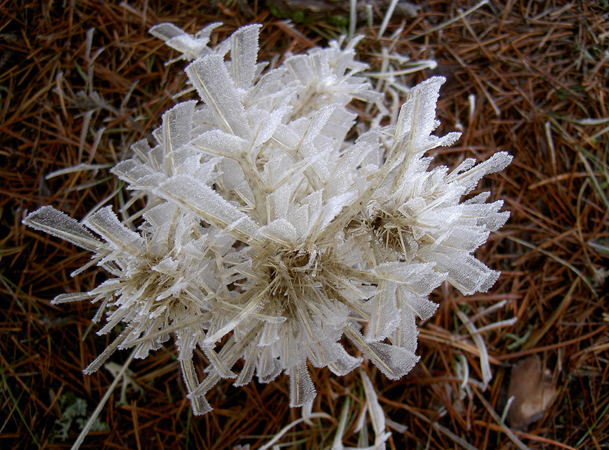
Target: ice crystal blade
249, 366
302, 390
105, 223
344, 362
207, 204
166, 31
268, 366
494, 220
279, 202
219, 364
329, 211
417, 115
464, 166
199, 405
191, 47
338, 126
470, 178
465, 272
329, 311
269, 334
215, 87
419, 278
300, 67
464, 238
177, 125
384, 318
406, 334
249, 309
267, 87
218, 142
268, 125
288, 137
394, 362
419, 304
69, 298
60, 225
319, 61
108, 351
123, 168
315, 353
280, 231
244, 53
318, 122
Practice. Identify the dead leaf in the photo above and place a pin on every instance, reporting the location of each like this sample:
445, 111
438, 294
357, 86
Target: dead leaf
531, 386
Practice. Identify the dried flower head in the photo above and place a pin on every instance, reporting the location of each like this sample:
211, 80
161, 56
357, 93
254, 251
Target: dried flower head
269, 237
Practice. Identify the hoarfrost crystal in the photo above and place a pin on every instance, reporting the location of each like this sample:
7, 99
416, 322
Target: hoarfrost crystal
269, 237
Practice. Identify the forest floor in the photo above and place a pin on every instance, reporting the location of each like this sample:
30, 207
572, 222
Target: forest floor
80, 81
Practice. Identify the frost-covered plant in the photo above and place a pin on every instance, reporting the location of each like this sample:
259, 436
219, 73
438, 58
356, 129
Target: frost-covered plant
74, 409
268, 236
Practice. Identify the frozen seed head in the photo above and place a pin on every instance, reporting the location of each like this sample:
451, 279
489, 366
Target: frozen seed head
268, 237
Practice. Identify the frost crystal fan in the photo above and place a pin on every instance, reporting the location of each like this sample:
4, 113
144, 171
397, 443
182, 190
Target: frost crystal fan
269, 237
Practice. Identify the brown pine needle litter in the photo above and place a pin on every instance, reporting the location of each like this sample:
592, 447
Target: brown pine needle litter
80, 81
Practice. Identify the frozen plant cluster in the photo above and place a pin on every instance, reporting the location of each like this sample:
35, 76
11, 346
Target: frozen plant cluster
268, 237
